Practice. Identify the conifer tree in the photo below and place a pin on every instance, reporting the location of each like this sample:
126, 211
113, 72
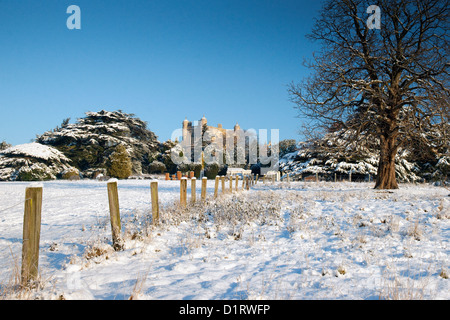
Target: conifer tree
120, 163
4, 145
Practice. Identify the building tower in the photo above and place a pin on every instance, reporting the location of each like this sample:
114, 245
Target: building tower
185, 128
203, 121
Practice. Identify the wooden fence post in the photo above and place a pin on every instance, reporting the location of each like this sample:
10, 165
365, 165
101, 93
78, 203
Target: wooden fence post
236, 177
183, 192
223, 183
204, 184
155, 203
247, 187
193, 189
114, 213
31, 233
216, 187
231, 183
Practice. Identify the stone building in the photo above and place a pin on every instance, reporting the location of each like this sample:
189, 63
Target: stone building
202, 126
234, 141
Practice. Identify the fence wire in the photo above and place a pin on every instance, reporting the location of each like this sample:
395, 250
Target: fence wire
15, 205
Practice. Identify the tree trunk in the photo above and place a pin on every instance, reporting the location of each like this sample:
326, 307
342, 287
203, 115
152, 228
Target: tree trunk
386, 167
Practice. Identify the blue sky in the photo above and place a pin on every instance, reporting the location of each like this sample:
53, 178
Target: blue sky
162, 60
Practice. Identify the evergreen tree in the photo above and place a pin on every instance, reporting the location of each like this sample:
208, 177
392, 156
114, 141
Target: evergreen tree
90, 140
4, 145
165, 155
120, 163
212, 170
287, 146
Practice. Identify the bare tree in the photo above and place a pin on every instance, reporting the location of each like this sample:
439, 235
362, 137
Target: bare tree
387, 85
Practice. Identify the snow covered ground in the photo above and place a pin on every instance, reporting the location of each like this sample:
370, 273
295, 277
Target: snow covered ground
276, 241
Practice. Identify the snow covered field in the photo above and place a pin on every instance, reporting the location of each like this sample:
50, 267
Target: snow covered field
276, 241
